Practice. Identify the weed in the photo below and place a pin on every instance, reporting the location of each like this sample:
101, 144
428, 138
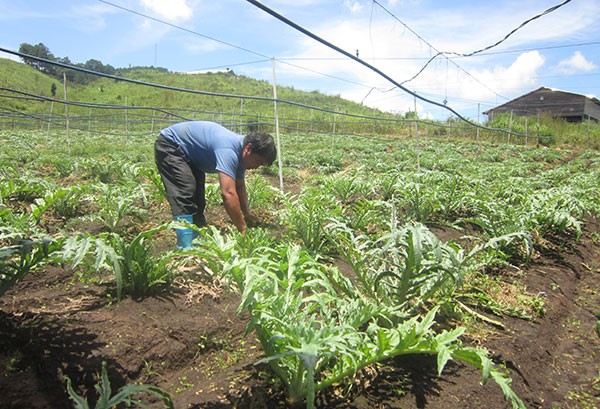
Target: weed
125, 395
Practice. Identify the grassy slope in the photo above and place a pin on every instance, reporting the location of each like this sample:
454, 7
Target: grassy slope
22, 77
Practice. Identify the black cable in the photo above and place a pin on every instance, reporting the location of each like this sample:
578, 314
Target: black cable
436, 50
228, 44
523, 24
40, 98
215, 94
89, 104
353, 57
167, 87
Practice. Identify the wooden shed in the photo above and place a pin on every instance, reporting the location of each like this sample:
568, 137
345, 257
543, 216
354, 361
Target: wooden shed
561, 104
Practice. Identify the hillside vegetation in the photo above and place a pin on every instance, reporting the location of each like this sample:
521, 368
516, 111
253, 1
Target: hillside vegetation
122, 106
22, 77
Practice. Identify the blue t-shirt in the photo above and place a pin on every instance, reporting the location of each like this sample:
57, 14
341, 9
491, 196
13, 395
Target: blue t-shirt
209, 146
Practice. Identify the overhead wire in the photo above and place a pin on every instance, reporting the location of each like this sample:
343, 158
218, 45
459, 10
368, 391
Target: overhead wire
436, 50
463, 55
231, 65
523, 24
183, 28
285, 20
286, 61
281, 60
510, 51
521, 50
328, 44
40, 98
192, 91
357, 59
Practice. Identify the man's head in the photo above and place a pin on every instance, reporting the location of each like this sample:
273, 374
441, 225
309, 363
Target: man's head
259, 149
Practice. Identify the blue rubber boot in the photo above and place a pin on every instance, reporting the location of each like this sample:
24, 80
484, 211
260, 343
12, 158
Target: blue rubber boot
185, 236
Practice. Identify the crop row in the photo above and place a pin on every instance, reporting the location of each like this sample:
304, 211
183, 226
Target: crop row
372, 205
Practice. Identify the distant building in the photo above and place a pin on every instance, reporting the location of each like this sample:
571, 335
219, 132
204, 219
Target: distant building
560, 104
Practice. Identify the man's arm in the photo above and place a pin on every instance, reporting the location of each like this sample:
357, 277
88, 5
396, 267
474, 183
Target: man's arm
232, 201
240, 187
250, 218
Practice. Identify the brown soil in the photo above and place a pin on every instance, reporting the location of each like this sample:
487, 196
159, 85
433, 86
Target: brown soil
192, 343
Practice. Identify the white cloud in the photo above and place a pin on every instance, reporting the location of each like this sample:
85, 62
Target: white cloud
520, 76
282, 4
201, 46
353, 5
577, 63
172, 10
93, 18
392, 46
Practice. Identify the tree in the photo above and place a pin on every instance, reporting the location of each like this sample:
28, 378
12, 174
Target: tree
40, 51
97, 66
411, 115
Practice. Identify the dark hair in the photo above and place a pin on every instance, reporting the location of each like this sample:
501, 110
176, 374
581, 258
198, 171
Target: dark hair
262, 144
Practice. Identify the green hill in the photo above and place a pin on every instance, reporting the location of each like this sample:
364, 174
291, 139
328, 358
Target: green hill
109, 104
21, 77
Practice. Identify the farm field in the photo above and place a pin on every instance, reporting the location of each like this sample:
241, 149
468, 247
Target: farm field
390, 273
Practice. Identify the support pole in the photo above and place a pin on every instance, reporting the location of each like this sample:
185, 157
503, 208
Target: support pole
50, 120
417, 137
277, 127
66, 112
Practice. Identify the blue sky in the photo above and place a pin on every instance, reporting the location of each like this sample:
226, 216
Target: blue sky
559, 50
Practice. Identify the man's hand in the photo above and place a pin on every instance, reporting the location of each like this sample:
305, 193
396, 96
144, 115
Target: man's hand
252, 220
231, 201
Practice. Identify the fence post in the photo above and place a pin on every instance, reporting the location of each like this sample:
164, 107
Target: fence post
90, 123
478, 121
49, 120
334, 117
538, 130
417, 136
66, 112
152, 125
277, 126
510, 125
241, 114
588, 133
126, 122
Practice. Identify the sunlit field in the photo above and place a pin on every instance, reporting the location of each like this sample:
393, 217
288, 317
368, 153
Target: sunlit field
375, 249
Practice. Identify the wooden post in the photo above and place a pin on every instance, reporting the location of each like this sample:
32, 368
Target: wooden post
478, 121
126, 122
510, 124
66, 112
152, 125
417, 136
90, 122
277, 126
538, 130
336, 108
49, 120
241, 113
588, 134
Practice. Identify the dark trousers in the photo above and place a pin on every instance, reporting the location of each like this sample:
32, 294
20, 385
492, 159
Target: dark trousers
184, 184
